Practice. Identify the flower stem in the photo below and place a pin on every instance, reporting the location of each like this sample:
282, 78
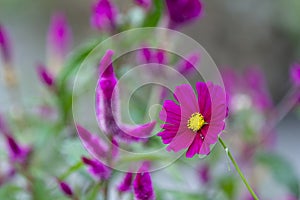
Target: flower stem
238, 169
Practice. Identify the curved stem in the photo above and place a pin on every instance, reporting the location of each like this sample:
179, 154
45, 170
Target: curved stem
238, 169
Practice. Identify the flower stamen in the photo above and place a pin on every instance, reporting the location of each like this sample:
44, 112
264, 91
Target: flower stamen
196, 122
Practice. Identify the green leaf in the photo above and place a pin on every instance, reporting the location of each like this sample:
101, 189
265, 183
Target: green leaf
9, 191
71, 170
155, 14
281, 171
228, 185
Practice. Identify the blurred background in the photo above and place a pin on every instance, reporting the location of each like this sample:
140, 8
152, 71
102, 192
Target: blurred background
236, 33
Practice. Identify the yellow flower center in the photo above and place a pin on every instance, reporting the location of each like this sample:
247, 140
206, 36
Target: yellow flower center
196, 122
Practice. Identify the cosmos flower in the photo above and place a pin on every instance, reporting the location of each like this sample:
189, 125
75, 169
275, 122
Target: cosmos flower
59, 41
187, 64
107, 106
247, 90
204, 173
150, 55
125, 185
194, 122
45, 76
104, 15
18, 154
59, 35
142, 186
65, 188
257, 88
97, 169
4, 45
295, 74
181, 12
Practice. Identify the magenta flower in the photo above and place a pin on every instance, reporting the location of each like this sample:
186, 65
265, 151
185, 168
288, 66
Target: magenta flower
45, 76
204, 173
149, 55
249, 90
183, 11
65, 188
257, 88
104, 15
97, 169
194, 122
107, 104
125, 185
4, 45
59, 35
187, 65
96, 146
295, 74
18, 154
142, 186
146, 4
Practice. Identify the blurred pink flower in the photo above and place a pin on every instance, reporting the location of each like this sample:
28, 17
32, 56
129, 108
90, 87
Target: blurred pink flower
45, 76
249, 90
59, 35
107, 106
146, 4
18, 154
97, 169
142, 186
65, 188
4, 45
183, 11
150, 55
204, 173
92, 142
194, 122
187, 65
104, 15
295, 74
126, 183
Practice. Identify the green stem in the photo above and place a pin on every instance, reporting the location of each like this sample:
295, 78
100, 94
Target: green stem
238, 169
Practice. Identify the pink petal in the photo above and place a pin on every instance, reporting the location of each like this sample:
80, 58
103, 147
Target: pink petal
181, 141
194, 148
141, 131
185, 96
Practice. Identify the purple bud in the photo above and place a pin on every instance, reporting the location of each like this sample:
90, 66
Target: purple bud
161, 56
183, 11
104, 15
92, 142
5, 45
65, 188
59, 35
17, 153
146, 4
186, 65
97, 169
45, 76
125, 185
257, 88
204, 173
295, 74
142, 186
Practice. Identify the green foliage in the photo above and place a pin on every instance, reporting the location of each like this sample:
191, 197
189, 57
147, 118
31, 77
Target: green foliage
155, 14
281, 171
